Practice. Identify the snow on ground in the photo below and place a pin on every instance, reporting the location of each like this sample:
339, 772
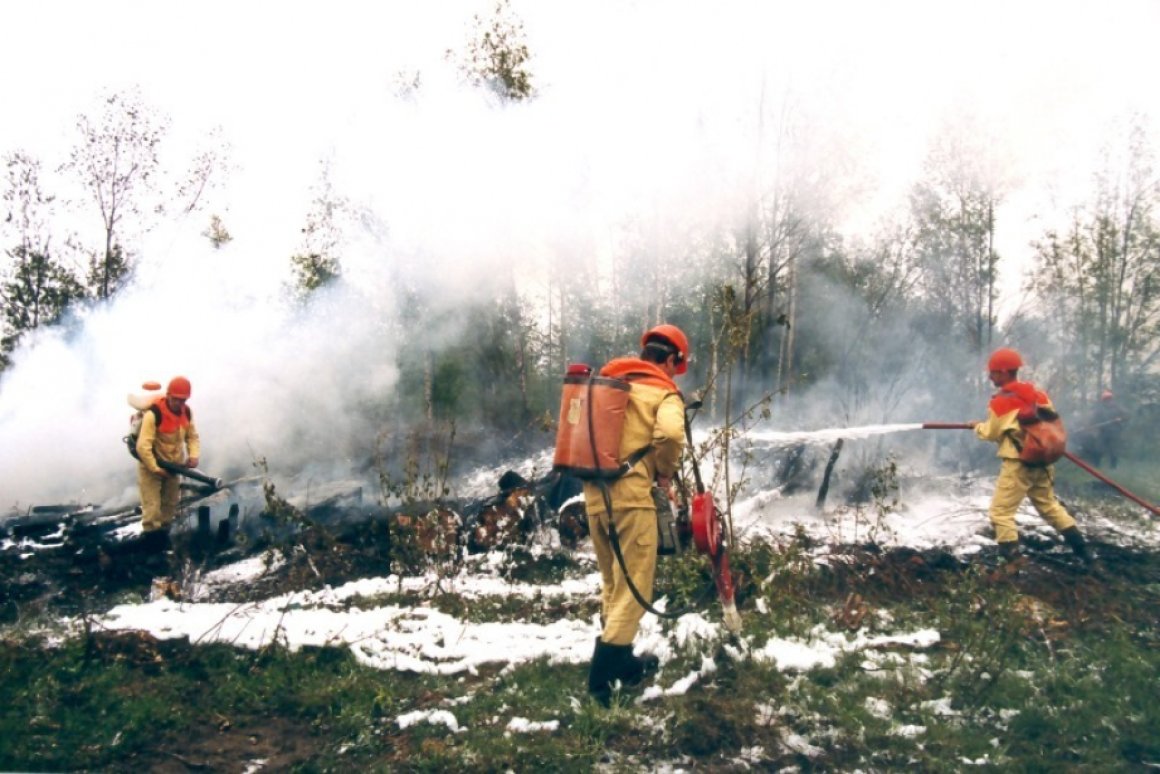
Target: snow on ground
416, 638
947, 512
823, 647
247, 569
407, 638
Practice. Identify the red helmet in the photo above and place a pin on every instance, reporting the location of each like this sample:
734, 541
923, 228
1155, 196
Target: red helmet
179, 388
1004, 360
671, 334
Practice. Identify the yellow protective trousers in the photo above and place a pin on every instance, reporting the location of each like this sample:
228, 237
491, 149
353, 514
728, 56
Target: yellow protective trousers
159, 498
636, 529
1016, 481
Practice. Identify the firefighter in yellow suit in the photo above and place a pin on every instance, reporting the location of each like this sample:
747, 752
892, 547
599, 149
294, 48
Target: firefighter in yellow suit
1018, 480
654, 418
169, 435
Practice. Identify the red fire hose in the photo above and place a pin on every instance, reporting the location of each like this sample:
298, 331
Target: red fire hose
1134, 498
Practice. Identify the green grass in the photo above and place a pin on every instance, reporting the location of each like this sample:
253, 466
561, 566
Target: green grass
1138, 476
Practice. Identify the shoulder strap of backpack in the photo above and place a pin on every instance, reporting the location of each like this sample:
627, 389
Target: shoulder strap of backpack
642, 452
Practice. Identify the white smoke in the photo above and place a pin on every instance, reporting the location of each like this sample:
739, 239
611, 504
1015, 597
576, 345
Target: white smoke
658, 112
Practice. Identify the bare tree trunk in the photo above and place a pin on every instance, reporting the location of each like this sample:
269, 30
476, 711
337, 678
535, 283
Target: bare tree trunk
786, 365
551, 370
991, 262
428, 386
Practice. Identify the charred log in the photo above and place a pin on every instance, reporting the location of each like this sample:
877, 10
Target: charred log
825, 488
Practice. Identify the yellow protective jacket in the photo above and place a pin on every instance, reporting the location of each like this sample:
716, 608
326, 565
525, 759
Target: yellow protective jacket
654, 417
173, 440
1002, 426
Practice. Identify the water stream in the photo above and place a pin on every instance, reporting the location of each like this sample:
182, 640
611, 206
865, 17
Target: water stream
828, 435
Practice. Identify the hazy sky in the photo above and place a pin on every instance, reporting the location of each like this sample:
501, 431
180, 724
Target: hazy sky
635, 98
671, 108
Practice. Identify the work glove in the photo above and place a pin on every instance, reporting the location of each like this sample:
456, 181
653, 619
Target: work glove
192, 462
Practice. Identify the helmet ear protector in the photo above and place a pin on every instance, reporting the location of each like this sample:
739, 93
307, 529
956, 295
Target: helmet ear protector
674, 337
665, 349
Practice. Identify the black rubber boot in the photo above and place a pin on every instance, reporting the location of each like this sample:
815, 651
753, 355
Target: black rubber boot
612, 664
1077, 544
602, 671
154, 548
154, 541
1011, 561
1010, 551
633, 668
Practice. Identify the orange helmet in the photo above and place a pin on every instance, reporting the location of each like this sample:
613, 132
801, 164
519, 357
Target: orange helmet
179, 388
1004, 360
673, 335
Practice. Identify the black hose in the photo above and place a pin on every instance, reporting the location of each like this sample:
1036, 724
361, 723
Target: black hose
613, 538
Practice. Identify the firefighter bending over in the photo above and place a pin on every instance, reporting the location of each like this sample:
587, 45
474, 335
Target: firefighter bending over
654, 418
1019, 479
169, 435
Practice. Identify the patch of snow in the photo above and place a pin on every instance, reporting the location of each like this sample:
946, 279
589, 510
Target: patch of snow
525, 726
681, 686
753, 754
693, 629
458, 700
879, 708
130, 531
941, 707
824, 647
434, 717
909, 731
799, 744
244, 570
403, 638
796, 655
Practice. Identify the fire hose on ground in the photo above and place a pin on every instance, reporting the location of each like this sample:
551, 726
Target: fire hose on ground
1080, 463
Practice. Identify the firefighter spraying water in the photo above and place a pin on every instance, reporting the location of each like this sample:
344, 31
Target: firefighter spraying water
1031, 438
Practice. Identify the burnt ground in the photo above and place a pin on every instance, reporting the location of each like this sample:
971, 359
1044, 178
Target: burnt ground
72, 579
76, 577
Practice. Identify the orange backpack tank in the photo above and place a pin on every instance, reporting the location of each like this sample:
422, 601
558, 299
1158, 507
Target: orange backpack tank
1044, 437
592, 411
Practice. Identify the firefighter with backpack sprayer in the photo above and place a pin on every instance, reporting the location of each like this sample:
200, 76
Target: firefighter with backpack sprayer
167, 439
1012, 418
653, 435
